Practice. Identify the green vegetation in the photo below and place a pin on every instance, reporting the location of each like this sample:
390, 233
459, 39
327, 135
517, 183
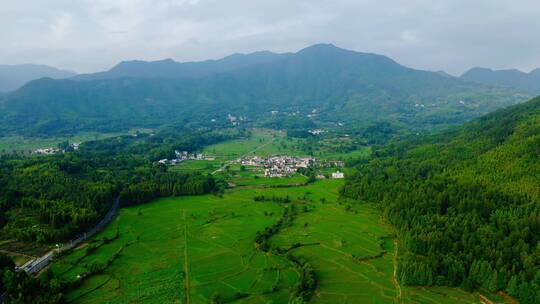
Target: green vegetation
25, 145
49, 199
218, 235
262, 142
465, 203
329, 84
458, 217
19, 287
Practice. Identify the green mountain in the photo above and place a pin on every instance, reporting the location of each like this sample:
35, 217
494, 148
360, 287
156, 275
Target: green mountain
169, 68
13, 77
506, 78
325, 82
466, 203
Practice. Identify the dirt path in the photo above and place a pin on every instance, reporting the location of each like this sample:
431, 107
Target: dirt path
394, 278
186, 259
244, 155
18, 253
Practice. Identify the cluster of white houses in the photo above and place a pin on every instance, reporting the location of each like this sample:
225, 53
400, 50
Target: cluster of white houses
185, 155
51, 150
279, 166
46, 151
282, 166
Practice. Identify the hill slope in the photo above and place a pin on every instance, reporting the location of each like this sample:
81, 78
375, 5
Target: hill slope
466, 203
340, 85
13, 77
507, 78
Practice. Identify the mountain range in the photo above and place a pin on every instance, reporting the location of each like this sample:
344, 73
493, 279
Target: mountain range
13, 77
506, 78
323, 81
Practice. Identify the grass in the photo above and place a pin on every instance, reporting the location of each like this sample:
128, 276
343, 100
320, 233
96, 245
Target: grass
265, 142
217, 234
262, 143
204, 166
199, 248
217, 237
435, 295
27, 144
203, 246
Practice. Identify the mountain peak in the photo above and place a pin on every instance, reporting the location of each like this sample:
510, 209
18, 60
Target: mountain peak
320, 47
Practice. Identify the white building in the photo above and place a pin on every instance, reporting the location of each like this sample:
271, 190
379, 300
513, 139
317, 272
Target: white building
338, 174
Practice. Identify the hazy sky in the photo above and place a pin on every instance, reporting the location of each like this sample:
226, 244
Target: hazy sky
92, 35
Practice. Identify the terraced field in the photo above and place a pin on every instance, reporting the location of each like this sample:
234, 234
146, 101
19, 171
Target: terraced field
205, 249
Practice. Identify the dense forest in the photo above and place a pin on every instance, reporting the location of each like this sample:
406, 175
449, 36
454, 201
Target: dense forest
19, 287
465, 202
46, 199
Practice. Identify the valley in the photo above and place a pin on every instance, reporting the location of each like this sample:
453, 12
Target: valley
205, 249
323, 175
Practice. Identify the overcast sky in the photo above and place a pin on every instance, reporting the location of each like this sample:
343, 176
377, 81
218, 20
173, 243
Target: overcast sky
93, 35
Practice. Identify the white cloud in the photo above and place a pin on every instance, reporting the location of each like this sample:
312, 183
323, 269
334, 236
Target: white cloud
61, 27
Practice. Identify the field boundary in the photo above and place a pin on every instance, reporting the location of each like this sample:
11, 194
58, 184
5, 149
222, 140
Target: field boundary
186, 259
394, 278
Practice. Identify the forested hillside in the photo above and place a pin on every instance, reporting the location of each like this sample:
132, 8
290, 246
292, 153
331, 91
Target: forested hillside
466, 203
325, 82
52, 198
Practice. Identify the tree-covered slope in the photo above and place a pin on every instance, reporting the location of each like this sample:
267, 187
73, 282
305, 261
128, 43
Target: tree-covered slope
466, 203
340, 85
506, 78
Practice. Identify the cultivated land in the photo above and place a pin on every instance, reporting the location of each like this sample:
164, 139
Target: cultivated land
199, 249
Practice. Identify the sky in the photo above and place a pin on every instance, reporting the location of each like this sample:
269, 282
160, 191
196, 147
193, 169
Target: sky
94, 35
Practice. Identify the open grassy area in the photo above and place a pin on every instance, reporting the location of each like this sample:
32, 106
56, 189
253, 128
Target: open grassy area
202, 247
262, 142
265, 142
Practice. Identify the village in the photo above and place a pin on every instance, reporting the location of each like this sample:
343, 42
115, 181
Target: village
284, 166
184, 155
52, 150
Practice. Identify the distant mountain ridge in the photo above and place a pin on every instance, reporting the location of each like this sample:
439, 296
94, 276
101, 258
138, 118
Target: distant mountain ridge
340, 85
507, 78
169, 68
13, 77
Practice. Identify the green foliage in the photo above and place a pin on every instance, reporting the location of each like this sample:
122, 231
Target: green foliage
466, 202
19, 287
52, 198
340, 85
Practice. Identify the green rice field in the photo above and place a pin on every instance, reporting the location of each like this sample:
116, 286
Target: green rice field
202, 249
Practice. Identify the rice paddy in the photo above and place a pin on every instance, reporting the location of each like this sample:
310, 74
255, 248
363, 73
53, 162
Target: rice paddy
202, 249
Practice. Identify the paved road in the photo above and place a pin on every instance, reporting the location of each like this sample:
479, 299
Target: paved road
35, 265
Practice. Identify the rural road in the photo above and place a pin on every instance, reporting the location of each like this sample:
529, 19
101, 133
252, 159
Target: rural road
37, 264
